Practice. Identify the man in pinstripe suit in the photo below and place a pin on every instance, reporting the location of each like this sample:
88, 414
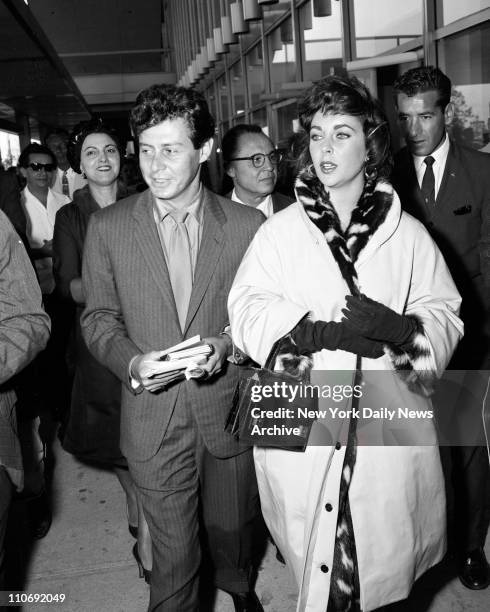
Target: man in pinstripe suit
135, 277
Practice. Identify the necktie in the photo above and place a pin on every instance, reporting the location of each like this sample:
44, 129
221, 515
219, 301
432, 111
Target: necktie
428, 186
64, 184
180, 264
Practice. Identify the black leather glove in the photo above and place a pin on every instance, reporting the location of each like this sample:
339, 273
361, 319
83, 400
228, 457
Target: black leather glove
312, 336
376, 321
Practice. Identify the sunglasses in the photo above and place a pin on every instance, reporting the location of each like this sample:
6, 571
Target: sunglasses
258, 160
38, 167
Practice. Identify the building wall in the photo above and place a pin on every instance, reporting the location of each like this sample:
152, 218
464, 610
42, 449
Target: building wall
260, 77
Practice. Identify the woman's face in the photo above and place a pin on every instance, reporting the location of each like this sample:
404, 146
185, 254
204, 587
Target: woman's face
99, 159
338, 150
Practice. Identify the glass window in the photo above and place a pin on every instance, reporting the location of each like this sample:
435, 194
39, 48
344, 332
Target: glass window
322, 44
254, 62
211, 100
272, 12
287, 122
282, 55
9, 149
253, 34
238, 89
224, 106
449, 10
382, 25
259, 117
463, 57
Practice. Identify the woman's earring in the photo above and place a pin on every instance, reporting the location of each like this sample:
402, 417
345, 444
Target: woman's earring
84, 176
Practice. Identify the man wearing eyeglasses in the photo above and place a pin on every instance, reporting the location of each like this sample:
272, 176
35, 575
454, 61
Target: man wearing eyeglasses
251, 161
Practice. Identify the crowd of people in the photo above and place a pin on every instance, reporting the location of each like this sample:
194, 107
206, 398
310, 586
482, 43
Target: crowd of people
379, 263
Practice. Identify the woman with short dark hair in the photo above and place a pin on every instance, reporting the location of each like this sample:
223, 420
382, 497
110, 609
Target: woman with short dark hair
345, 281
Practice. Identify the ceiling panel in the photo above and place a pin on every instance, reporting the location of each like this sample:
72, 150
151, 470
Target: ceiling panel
33, 80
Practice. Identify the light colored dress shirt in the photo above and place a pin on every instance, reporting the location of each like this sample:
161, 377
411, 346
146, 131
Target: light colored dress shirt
440, 157
75, 181
40, 227
165, 226
193, 223
265, 206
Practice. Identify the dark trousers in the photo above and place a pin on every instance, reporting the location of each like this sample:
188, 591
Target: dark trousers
182, 481
468, 477
5, 497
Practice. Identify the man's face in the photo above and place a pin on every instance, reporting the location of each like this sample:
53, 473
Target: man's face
169, 162
57, 144
422, 121
39, 176
249, 180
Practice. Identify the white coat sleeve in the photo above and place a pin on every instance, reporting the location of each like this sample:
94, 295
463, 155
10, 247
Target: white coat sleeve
259, 312
435, 302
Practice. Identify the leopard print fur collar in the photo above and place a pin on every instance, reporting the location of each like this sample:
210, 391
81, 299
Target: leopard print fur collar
368, 215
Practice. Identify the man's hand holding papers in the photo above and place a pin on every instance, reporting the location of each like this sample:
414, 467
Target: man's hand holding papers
157, 369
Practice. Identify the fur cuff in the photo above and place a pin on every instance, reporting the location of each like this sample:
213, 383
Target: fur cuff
414, 361
291, 361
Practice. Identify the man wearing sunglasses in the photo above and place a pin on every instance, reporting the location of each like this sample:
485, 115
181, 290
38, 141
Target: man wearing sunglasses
45, 387
251, 161
40, 203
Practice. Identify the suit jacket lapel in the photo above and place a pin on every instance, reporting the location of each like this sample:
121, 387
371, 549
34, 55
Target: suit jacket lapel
146, 234
448, 179
212, 243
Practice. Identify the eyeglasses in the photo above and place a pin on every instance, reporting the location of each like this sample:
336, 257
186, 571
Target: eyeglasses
258, 160
38, 167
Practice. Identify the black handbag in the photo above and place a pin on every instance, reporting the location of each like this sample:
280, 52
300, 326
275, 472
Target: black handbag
275, 420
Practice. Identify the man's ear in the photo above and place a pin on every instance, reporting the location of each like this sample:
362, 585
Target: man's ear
449, 113
206, 149
230, 171
23, 171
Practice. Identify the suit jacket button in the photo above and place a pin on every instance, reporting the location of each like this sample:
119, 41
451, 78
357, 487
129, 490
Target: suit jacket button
338, 446
328, 507
324, 568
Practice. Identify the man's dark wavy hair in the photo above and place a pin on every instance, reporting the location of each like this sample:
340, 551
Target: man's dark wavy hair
347, 96
422, 79
160, 102
84, 129
35, 149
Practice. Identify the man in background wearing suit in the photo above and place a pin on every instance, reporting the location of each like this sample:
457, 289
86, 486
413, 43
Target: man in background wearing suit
447, 187
24, 331
157, 269
251, 162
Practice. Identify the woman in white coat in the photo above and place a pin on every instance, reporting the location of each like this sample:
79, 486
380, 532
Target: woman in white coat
347, 281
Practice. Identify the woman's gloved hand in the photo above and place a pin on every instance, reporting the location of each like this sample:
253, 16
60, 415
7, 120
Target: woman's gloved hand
312, 336
376, 321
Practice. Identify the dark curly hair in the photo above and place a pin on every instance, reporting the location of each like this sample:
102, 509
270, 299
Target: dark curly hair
32, 149
347, 96
229, 144
422, 79
160, 102
84, 129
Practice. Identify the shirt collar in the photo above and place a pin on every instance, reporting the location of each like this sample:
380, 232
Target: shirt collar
195, 208
439, 155
264, 202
